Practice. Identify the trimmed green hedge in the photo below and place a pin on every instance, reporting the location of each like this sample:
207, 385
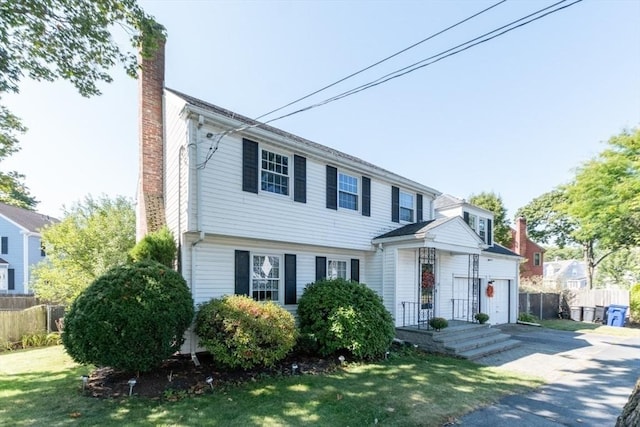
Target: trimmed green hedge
242, 333
345, 315
634, 303
131, 318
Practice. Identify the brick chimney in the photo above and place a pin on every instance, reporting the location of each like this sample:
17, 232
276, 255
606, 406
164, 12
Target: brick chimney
520, 241
150, 213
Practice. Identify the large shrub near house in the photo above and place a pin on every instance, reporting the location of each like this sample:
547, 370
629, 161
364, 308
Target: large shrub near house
634, 303
131, 318
243, 333
345, 315
157, 246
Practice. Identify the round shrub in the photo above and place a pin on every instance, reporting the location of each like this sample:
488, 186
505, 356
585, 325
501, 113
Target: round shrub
131, 318
634, 303
345, 315
438, 323
481, 317
242, 333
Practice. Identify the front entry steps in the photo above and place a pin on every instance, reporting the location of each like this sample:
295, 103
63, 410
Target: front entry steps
461, 339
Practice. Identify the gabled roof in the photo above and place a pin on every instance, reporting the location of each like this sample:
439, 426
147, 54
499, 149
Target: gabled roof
28, 220
329, 152
407, 230
3, 261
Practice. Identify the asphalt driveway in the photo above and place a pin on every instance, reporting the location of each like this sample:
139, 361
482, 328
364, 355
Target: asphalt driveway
589, 379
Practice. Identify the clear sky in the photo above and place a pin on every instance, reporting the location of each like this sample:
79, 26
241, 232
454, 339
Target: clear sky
515, 115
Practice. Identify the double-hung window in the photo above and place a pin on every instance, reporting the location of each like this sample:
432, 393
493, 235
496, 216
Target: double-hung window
347, 191
406, 206
265, 279
482, 229
537, 259
274, 173
336, 269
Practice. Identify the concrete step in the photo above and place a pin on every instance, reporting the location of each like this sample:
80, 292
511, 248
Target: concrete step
463, 336
498, 347
476, 342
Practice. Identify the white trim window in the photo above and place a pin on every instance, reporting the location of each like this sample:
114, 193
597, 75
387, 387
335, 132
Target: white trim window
336, 269
406, 206
347, 191
537, 258
482, 229
274, 173
266, 279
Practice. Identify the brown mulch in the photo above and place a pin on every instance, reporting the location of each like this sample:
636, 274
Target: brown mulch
179, 377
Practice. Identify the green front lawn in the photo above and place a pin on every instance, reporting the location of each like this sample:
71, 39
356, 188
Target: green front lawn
43, 387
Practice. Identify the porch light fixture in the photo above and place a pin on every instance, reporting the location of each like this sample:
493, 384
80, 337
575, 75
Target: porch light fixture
131, 383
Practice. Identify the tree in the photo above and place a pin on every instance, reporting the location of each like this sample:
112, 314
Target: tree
493, 202
566, 253
46, 40
547, 222
604, 199
93, 237
621, 268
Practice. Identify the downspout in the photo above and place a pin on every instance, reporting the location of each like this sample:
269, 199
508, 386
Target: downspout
194, 251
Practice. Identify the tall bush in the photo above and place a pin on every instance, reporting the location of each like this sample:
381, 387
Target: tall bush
243, 333
345, 315
157, 246
634, 303
131, 318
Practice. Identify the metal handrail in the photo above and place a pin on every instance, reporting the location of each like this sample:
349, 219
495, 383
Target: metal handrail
416, 315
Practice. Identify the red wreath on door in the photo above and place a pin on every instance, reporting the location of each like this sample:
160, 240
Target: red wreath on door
490, 291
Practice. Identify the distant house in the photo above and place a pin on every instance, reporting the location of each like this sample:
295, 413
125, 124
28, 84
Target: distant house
565, 274
533, 254
20, 246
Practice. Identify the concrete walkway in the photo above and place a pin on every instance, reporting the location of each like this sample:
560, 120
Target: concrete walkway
589, 379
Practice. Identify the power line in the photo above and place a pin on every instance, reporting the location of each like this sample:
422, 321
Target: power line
382, 60
405, 70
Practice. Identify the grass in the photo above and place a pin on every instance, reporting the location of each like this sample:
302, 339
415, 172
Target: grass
43, 387
589, 328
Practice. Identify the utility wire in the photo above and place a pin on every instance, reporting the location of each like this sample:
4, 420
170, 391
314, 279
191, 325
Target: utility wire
405, 70
382, 60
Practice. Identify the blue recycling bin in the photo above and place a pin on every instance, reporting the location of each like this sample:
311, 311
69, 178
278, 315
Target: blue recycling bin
616, 315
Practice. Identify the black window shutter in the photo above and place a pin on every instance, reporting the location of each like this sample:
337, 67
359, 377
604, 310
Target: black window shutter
419, 212
366, 196
243, 267
12, 279
395, 204
355, 270
290, 279
249, 166
321, 267
299, 179
332, 187
489, 232
5, 245
465, 215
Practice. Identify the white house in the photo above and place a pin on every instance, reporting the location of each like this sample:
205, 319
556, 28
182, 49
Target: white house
262, 212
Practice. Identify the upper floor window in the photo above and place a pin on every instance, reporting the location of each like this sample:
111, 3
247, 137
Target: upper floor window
274, 176
43, 252
347, 191
537, 258
473, 221
406, 207
482, 229
265, 280
336, 269
4, 245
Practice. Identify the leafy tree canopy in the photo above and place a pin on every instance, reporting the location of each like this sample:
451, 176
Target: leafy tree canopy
93, 237
46, 40
566, 253
547, 221
493, 202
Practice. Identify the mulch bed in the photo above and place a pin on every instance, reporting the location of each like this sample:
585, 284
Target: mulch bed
179, 377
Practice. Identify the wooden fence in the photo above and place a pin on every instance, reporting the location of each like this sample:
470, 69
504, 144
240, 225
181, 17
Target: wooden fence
550, 305
15, 324
596, 297
17, 302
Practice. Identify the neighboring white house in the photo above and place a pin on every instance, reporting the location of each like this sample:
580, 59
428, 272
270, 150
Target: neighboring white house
262, 212
565, 274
